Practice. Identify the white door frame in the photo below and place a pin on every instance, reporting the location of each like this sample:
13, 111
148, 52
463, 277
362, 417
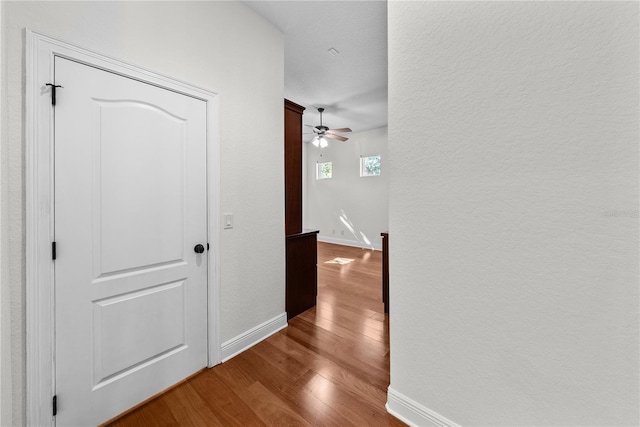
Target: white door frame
40, 53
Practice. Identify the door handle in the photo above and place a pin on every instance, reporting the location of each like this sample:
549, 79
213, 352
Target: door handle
198, 248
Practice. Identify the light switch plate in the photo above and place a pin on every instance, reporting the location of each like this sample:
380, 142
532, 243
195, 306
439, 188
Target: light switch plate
228, 220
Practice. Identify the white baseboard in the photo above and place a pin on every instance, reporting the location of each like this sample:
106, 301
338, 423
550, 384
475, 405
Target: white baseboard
353, 243
413, 413
253, 336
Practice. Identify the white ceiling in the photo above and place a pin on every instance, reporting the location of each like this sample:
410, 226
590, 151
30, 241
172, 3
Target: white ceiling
352, 86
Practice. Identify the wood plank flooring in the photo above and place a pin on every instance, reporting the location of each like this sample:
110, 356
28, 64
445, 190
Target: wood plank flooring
329, 367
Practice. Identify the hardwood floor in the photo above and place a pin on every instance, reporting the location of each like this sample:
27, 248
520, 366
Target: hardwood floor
329, 367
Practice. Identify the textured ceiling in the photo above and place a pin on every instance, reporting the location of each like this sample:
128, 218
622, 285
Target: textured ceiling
352, 85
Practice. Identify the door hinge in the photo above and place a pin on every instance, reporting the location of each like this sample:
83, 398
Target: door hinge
53, 92
55, 405
53, 250
207, 246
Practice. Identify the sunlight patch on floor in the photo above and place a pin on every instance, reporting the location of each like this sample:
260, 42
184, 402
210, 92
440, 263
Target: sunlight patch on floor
338, 260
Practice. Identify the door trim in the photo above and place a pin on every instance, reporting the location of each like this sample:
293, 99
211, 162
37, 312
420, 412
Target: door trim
39, 221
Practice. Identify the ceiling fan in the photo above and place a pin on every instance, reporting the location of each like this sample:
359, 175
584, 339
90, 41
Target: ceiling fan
323, 132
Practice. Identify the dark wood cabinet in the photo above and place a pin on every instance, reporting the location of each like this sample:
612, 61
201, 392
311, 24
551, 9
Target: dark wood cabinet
301, 247
302, 272
292, 167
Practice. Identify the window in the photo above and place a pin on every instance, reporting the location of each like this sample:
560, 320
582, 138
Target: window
323, 170
370, 165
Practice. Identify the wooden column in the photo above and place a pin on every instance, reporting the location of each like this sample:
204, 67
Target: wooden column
292, 167
302, 257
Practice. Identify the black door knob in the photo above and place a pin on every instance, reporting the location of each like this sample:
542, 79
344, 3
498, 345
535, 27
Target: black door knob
199, 248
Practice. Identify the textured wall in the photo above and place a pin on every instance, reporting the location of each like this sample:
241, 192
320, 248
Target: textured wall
221, 46
362, 202
5, 319
513, 142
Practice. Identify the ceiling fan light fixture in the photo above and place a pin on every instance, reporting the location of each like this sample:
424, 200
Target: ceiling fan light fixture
323, 132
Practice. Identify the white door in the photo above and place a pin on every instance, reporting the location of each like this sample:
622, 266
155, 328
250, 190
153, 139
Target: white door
130, 207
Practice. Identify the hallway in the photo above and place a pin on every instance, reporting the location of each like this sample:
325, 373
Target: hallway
329, 367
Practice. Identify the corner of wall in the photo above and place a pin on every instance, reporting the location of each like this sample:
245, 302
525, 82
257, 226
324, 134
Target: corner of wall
5, 354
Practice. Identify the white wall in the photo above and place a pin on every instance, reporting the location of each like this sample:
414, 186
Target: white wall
361, 202
221, 46
5, 352
513, 146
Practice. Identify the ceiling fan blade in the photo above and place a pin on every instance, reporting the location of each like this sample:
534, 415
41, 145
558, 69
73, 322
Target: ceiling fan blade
341, 130
337, 137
